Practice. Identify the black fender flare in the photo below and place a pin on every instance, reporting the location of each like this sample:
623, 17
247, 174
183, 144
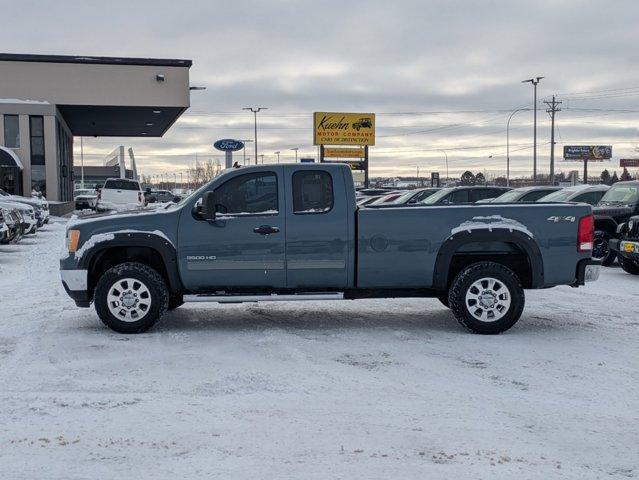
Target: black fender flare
606, 223
151, 240
454, 242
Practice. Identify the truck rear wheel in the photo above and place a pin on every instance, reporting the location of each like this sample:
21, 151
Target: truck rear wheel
131, 297
486, 298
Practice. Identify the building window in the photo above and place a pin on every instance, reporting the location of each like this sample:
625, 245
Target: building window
11, 131
38, 172
312, 191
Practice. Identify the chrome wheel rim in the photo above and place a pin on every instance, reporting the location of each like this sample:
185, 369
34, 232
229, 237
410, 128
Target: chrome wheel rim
488, 299
129, 300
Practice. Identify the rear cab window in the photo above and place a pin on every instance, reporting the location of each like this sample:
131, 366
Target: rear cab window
312, 192
121, 185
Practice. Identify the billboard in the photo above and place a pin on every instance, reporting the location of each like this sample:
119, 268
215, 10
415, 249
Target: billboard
335, 128
333, 152
629, 162
592, 153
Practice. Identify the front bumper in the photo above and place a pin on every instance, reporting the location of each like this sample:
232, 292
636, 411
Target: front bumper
626, 248
587, 271
75, 284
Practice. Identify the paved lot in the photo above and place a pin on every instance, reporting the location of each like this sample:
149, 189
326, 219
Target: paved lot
363, 389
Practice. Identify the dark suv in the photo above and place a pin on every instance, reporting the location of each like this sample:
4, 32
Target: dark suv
457, 195
614, 209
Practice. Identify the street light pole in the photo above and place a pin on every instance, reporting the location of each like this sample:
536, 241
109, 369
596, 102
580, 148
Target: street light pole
278, 156
244, 142
295, 149
508, 144
534, 82
255, 111
446, 155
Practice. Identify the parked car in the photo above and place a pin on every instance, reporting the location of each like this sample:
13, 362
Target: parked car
120, 194
85, 199
293, 232
386, 199
28, 221
626, 246
13, 222
40, 205
162, 196
523, 194
590, 194
3, 227
457, 195
413, 197
616, 207
364, 201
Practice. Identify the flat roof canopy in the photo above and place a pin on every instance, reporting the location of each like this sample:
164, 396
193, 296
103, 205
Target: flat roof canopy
101, 96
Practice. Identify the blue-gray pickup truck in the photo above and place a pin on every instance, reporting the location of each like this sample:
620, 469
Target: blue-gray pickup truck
294, 232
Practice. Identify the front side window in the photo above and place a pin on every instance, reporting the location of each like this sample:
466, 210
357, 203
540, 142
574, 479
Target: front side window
312, 191
252, 193
11, 131
459, 196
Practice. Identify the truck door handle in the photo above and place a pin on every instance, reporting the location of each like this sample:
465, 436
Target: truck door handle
265, 230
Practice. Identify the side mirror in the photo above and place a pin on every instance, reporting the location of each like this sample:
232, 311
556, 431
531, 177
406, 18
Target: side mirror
208, 206
148, 190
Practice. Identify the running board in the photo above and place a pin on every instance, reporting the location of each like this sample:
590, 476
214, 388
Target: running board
264, 298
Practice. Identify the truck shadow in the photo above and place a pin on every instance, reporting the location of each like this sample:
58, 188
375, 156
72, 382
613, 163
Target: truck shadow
433, 318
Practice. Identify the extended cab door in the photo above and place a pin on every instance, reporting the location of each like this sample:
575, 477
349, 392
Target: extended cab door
317, 236
245, 245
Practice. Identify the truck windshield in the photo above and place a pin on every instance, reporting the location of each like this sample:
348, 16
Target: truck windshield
622, 194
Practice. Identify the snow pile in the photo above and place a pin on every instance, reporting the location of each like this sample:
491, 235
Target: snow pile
489, 223
92, 242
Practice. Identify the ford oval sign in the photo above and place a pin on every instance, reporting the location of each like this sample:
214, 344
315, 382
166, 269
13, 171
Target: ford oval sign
229, 145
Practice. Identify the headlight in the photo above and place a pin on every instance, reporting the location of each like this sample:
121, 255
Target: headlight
73, 237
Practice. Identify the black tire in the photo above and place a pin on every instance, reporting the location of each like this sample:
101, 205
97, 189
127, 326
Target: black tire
601, 249
503, 277
175, 301
629, 265
443, 298
158, 295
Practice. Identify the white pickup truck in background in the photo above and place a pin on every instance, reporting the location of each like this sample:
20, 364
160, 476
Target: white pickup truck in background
120, 194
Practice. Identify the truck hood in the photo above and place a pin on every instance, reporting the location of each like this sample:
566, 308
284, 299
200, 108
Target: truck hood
612, 211
129, 218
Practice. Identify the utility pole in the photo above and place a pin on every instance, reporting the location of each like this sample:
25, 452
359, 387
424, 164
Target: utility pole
255, 111
552, 110
534, 82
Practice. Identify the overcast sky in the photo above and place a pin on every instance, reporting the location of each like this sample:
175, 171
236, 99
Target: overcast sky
441, 75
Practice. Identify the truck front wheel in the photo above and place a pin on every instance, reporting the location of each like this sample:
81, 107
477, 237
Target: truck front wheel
131, 297
486, 298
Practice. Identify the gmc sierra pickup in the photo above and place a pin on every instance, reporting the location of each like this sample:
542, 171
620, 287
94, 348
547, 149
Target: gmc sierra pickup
294, 232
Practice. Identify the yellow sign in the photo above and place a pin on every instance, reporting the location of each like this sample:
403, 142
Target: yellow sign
332, 152
331, 128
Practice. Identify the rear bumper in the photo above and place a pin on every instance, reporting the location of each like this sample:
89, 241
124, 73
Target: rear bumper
625, 248
587, 271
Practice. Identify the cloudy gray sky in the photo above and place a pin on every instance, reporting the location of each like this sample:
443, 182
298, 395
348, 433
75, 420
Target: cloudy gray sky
441, 75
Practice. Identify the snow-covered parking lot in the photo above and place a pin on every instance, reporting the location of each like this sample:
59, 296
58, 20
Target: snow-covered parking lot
388, 389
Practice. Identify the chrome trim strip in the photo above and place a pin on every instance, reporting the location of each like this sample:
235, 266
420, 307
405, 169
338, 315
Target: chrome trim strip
263, 298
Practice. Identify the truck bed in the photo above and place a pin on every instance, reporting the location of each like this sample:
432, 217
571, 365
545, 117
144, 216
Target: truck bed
399, 247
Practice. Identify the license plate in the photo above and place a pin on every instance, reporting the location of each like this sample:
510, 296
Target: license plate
630, 247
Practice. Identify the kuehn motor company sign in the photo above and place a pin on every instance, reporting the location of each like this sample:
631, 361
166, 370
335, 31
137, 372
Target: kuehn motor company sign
332, 128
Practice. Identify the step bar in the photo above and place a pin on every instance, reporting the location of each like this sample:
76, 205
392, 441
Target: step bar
226, 298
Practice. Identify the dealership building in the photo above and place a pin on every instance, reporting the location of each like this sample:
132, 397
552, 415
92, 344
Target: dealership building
47, 100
